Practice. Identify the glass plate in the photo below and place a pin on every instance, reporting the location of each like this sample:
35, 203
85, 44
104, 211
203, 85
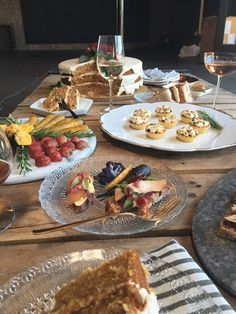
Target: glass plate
32, 291
52, 196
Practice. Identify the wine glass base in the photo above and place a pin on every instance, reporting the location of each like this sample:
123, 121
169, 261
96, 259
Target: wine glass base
106, 110
7, 215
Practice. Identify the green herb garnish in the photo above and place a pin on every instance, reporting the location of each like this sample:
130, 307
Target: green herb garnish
128, 203
214, 124
23, 160
9, 120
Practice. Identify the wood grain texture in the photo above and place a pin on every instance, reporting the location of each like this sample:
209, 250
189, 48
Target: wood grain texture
199, 170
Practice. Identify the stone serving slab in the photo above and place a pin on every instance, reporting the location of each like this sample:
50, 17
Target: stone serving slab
216, 254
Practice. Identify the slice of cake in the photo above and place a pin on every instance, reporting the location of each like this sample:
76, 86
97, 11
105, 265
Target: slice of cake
67, 96
117, 286
85, 76
227, 228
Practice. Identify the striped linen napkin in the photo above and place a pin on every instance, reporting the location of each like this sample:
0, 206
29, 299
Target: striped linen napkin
185, 287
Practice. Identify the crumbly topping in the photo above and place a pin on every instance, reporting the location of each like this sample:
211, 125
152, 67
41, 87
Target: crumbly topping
200, 123
164, 110
189, 114
187, 131
168, 119
137, 120
155, 128
146, 114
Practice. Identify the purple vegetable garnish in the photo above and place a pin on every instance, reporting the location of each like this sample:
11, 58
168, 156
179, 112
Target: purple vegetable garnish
110, 172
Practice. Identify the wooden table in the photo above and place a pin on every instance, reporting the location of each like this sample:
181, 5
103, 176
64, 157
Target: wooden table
199, 170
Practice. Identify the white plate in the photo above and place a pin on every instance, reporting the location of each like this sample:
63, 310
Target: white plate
82, 108
199, 94
115, 123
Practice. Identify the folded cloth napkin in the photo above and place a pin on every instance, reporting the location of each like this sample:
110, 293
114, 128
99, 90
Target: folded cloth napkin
160, 76
188, 285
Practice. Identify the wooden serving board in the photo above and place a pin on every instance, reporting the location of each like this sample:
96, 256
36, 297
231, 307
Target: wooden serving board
216, 254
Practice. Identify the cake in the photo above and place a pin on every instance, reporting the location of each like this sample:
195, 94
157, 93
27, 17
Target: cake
87, 79
155, 131
186, 134
179, 93
187, 116
200, 124
116, 286
65, 96
227, 228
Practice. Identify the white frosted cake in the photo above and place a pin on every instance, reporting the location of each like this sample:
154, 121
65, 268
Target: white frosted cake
87, 79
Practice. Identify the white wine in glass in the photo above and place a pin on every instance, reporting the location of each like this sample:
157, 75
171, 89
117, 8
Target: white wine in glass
7, 212
110, 60
219, 64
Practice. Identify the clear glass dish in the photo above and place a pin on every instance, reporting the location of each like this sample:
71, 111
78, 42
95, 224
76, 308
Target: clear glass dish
52, 196
32, 291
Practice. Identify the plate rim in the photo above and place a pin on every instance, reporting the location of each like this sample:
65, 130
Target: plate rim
126, 140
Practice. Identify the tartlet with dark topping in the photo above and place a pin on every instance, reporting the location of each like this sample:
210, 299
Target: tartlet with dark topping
155, 131
201, 125
163, 111
168, 121
187, 116
187, 134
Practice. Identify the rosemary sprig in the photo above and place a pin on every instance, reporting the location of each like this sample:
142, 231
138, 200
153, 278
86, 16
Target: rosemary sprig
214, 124
9, 120
23, 160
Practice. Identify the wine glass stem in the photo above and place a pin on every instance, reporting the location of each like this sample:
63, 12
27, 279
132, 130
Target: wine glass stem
217, 90
110, 94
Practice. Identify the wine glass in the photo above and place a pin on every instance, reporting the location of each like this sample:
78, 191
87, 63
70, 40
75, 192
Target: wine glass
7, 212
220, 64
110, 60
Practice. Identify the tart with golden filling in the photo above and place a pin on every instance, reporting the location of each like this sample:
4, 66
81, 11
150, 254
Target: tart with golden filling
187, 116
163, 111
187, 134
143, 113
137, 123
201, 125
168, 121
155, 131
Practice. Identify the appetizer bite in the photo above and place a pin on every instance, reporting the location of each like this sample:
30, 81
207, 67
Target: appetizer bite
155, 131
137, 122
80, 191
227, 228
65, 97
201, 125
168, 121
186, 134
187, 116
143, 113
163, 111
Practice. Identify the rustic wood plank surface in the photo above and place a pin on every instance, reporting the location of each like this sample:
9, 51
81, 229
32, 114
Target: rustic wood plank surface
199, 170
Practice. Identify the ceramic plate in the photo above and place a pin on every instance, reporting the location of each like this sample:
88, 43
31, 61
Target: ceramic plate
33, 291
195, 93
115, 123
83, 107
52, 196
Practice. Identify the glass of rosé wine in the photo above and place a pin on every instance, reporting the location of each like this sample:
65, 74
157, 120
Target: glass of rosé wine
219, 64
7, 212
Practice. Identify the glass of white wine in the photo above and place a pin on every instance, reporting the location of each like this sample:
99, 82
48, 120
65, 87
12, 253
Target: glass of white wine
7, 212
219, 64
110, 60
